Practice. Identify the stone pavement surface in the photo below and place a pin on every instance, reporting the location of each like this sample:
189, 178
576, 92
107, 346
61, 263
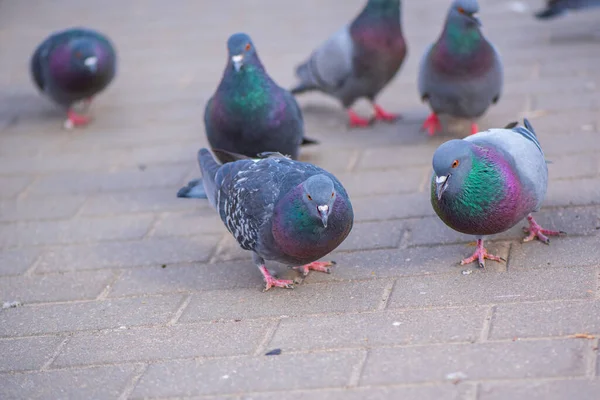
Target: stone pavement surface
128, 292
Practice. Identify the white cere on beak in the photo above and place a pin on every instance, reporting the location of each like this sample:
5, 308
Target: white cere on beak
237, 61
91, 61
440, 179
323, 208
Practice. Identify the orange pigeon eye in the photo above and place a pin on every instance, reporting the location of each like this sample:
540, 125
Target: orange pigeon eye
248, 47
309, 197
461, 10
455, 163
78, 54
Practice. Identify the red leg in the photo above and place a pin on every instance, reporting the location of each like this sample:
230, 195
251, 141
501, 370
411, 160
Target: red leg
75, 119
474, 128
432, 124
480, 255
315, 266
536, 230
382, 115
270, 281
357, 121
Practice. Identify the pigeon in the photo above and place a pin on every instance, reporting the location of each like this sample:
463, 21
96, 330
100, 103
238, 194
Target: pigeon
554, 8
71, 67
488, 182
280, 209
359, 60
461, 74
249, 113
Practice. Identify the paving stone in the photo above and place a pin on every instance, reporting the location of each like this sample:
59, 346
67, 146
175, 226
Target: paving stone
580, 389
49, 207
545, 319
54, 287
387, 207
371, 183
398, 157
14, 262
91, 383
27, 353
373, 235
148, 344
223, 376
89, 315
126, 254
573, 192
482, 288
505, 360
380, 329
303, 300
203, 220
574, 166
562, 252
13, 185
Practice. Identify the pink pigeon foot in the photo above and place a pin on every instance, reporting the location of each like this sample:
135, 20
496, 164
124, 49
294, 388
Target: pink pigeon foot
75, 119
270, 281
536, 230
321, 266
382, 115
432, 124
357, 121
480, 255
474, 128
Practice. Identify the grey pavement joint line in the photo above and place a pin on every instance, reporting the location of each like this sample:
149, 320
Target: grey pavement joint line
104, 294
385, 297
405, 239
184, 303
59, 348
357, 371
354, 160
31, 270
23, 193
221, 244
270, 332
598, 284
594, 359
487, 324
152, 227
133, 381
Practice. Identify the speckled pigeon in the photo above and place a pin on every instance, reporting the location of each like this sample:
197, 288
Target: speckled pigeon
460, 74
249, 113
282, 210
71, 67
488, 182
359, 60
554, 8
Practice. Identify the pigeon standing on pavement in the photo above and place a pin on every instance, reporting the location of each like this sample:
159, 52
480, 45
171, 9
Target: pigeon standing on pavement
488, 182
71, 67
280, 209
249, 113
460, 74
554, 8
359, 60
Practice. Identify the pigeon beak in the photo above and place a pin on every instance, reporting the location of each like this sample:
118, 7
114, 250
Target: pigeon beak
91, 63
324, 213
476, 20
238, 61
441, 184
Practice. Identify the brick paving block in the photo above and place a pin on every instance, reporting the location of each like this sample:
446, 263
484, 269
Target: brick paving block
505, 360
125, 254
380, 329
333, 160
373, 235
50, 163
124, 180
49, 207
486, 288
443, 391
578, 192
235, 375
68, 317
304, 299
230, 250
386, 207
26, 353
570, 142
371, 183
91, 383
13, 185
148, 344
163, 153
577, 101
545, 319
54, 287
583, 221
148, 200
202, 220
574, 166
562, 252
580, 389
75, 230
15, 262
399, 156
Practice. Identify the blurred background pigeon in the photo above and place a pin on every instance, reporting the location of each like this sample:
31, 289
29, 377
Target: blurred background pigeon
554, 8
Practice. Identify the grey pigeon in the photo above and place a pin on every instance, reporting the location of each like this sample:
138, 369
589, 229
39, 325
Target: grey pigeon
554, 8
249, 113
460, 74
488, 182
359, 60
71, 67
280, 209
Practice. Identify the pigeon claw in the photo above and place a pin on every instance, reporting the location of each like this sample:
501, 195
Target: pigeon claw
356, 121
382, 115
480, 255
273, 282
432, 124
75, 119
474, 128
321, 266
535, 230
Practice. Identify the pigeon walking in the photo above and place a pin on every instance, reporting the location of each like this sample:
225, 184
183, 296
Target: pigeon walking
359, 60
460, 74
249, 113
71, 67
488, 182
554, 8
282, 210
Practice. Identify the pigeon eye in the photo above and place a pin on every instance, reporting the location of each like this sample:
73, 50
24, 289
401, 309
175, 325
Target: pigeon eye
248, 46
309, 197
455, 163
78, 54
332, 194
460, 10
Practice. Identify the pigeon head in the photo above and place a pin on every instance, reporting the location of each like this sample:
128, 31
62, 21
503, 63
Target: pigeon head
463, 11
318, 196
85, 54
241, 50
452, 163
